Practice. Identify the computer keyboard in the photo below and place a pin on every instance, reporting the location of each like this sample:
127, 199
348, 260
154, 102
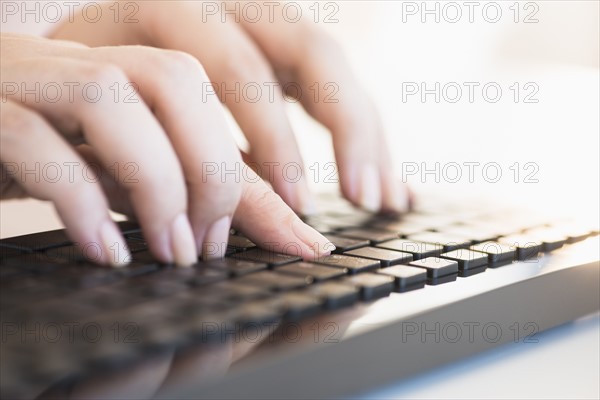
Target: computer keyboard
48, 285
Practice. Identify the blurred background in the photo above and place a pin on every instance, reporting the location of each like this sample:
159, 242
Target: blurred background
541, 132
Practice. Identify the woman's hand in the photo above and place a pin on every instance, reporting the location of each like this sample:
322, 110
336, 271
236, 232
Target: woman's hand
237, 52
68, 107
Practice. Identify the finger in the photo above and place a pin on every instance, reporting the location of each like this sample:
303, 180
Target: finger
197, 364
171, 84
244, 81
264, 218
117, 196
127, 138
31, 144
310, 57
140, 382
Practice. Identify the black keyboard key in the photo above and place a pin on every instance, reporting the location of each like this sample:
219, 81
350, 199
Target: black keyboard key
343, 244
235, 267
448, 241
233, 291
334, 295
204, 276
467, 259
353, 265
551, 239
187, 302
85, 276
406, 278
371, 286
371, 234
9, 251
135, 245
155, 288
525, 247
27, 289
81, 254
274, 281
386, 257
144, 257
498, 254
38, 263
129, 228
75, 254
11, 271
39, 241
136, 268
473, 271
299, 305
194, 276
240, 242
442, 279
266, 257
437, 267
315, 271
259, 312
106, 298
419, 250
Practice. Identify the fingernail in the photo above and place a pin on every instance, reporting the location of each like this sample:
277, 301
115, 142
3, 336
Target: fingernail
114, 246
183, 246
318, 243
370, 189
215, 241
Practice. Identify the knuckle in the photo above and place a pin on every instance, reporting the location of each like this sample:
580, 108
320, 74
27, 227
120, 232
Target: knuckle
95, 82
177, 64
318, 43
221, 194
244, 64
102, 74
261, 197
19, 120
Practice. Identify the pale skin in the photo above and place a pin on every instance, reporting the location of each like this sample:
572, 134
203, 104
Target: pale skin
170, 132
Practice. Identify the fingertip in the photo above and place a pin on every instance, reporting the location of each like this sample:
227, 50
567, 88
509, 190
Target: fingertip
215, 241
317, 245
183, 245
116, 253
